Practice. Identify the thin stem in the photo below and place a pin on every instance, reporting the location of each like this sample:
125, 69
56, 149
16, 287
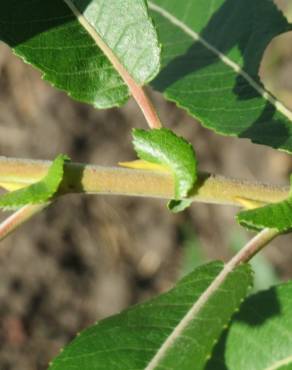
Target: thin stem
137, 91
80, 178
242, 256
145, 104
255, 245
18, 218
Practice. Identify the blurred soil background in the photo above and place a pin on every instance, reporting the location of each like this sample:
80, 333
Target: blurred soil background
87, 257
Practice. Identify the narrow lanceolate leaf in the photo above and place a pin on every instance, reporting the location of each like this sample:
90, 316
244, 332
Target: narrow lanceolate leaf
274, 216
39, 192
164, 148
174, 331
212, 50
260, 336
71, 42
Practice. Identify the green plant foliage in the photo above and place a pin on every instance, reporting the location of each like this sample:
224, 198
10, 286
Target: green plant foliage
98, 51
212, 51
48, 35
163, 147
260, 334
177, 206
276, 215
39, 192
173, 331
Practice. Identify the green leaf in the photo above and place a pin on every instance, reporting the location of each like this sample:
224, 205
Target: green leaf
39, 192
176, 330
260, 336
48, 35
177, 206
212, 52
163, 147
275, 216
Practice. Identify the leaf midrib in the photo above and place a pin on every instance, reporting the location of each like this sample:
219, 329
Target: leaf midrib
192, 313
135, 88
101, 44
230, 63
280, 363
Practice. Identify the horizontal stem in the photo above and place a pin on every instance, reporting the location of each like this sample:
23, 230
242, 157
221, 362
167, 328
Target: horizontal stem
80, 178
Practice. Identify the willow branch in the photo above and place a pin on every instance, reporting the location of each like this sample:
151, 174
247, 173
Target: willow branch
81, 178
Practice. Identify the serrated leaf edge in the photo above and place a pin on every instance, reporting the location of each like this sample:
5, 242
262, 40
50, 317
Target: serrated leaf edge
190, 315
235, 67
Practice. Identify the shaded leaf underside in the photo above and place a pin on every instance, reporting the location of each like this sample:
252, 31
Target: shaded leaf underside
212, 51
